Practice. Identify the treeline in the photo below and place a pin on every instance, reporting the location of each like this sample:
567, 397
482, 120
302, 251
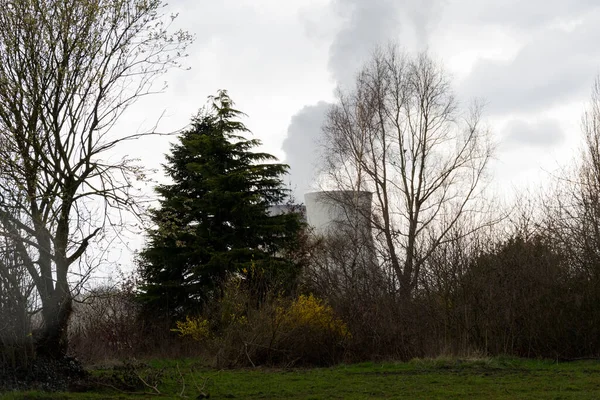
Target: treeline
434, 266
431, 268
513, 289
490, 294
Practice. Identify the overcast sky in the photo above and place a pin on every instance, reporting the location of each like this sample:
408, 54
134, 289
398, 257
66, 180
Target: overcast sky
533, 62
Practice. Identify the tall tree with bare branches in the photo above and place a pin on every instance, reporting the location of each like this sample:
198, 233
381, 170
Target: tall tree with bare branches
401, 134
68, 71
587, 193
572, 213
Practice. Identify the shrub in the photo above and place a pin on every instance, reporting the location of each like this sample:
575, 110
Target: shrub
196, 328
312, 314
308, 332
279, 331
105, 325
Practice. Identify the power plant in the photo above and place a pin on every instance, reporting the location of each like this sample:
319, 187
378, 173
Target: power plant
341, 215
343, 218
333, 212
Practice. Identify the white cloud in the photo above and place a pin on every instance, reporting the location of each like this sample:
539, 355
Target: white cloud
281, 61
539, 134
555, 67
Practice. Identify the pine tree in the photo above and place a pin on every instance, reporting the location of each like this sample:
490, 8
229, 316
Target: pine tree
213, 220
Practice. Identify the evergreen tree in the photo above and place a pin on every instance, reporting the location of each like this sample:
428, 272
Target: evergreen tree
213, 220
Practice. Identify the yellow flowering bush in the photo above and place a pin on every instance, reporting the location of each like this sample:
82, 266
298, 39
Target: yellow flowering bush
310, 312
279, 331
196, 328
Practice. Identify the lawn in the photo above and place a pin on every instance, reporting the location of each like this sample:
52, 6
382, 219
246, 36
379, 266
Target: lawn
418, 379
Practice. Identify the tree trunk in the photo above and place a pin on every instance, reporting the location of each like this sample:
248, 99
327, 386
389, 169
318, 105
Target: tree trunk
52, 340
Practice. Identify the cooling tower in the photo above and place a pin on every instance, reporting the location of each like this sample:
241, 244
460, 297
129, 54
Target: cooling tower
333, 212
343, 219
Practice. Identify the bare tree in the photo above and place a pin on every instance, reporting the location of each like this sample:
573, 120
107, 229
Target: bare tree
68, 71
587, 197
572, 212
401, 134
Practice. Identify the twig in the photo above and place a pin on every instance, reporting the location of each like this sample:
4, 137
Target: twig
147, 384
200, 389
182, 382
248, 355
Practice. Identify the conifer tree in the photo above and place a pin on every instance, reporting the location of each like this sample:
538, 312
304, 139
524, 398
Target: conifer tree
213, 220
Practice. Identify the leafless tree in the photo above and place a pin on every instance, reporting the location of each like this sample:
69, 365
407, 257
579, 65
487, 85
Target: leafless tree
401, 134
109, 315
68, 71
572, 212
587, 196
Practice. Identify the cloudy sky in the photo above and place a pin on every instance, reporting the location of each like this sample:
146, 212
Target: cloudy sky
533, 62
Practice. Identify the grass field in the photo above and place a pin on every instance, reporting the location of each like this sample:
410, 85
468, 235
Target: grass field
419, 379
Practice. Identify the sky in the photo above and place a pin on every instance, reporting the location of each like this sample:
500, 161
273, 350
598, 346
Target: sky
532, 62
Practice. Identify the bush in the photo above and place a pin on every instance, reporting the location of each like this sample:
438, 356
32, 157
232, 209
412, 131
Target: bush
196, 328
302, 330
309, 332
105, 325
313, 314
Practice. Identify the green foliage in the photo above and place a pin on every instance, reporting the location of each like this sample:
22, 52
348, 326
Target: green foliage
213, 220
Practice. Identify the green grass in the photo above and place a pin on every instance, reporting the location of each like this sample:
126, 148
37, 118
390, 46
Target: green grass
419, 379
